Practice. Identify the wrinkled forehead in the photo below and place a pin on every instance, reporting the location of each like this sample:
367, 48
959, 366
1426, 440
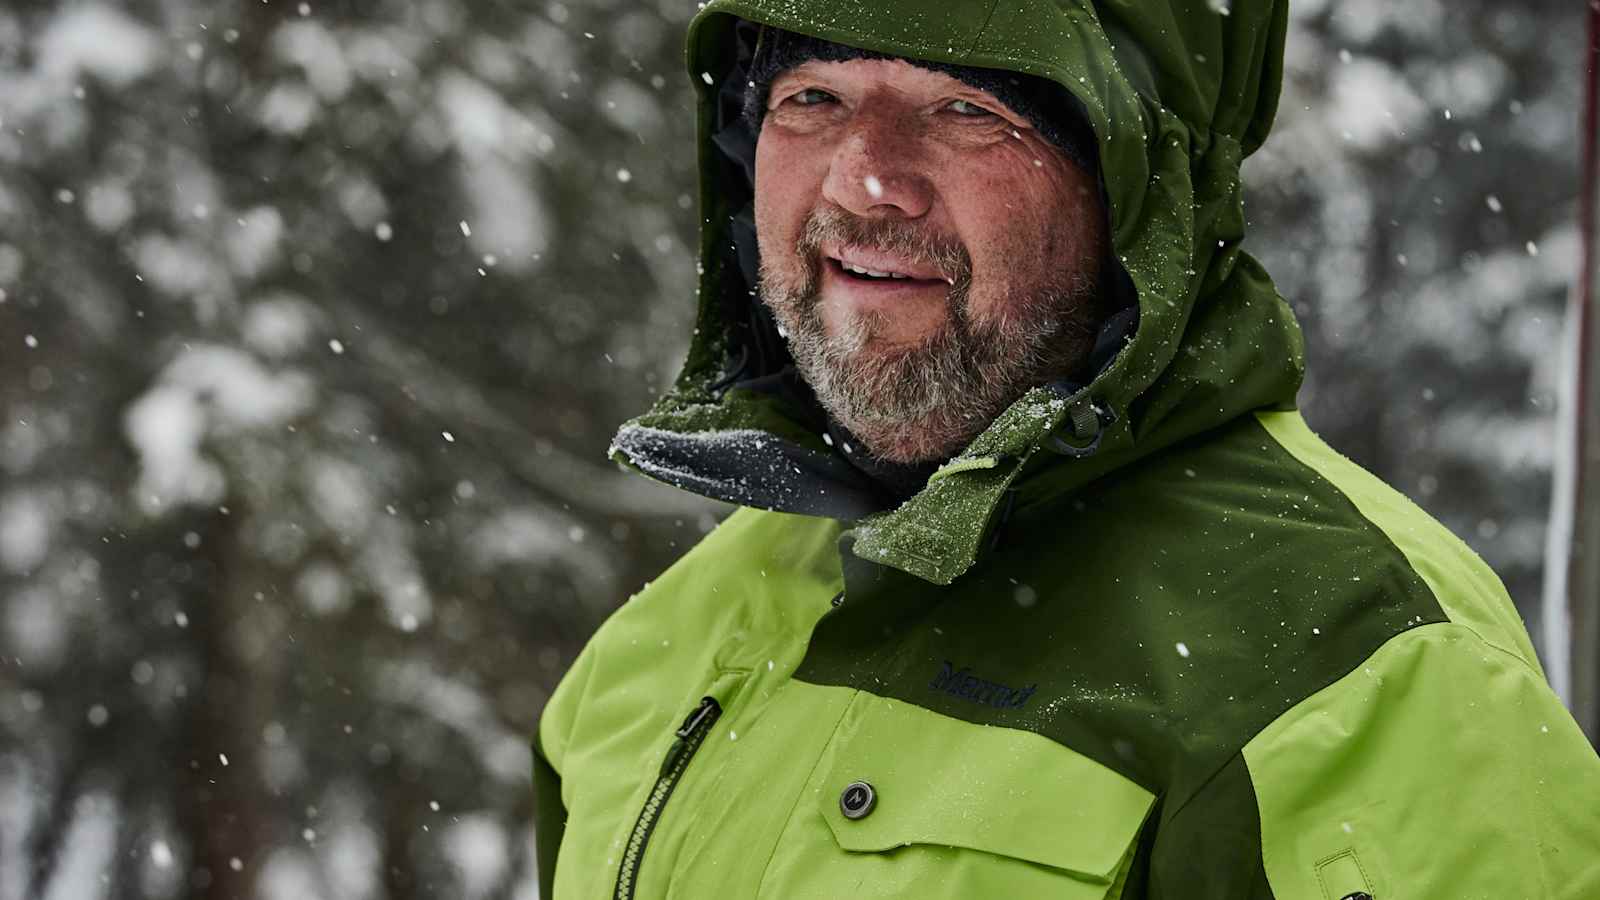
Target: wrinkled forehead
894, 74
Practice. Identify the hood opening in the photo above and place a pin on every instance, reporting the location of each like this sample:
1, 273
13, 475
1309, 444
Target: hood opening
757, 356
1175, 97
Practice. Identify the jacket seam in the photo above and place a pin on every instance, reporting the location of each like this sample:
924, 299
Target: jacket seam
1302, 472
1359, 663
1239, 753
1518, 657
1449, 624
1389, 541
1215, 772
977, 36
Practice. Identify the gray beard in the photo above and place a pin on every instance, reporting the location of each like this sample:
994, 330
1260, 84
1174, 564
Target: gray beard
927, 401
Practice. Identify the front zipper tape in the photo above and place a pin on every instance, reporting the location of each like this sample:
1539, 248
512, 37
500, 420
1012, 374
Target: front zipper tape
688, 738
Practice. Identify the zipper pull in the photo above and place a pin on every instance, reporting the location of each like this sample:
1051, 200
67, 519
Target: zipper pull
703, 715
708, 707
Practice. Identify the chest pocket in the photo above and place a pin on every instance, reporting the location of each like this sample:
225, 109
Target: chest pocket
910, 803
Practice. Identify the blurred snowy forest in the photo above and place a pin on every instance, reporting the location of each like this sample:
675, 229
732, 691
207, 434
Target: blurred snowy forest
316, 320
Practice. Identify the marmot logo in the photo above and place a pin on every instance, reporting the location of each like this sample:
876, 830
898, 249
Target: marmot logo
962, 683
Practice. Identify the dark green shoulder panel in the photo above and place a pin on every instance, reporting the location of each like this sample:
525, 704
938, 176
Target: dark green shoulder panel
1154, 622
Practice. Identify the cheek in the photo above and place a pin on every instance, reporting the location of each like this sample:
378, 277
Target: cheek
1025, 224
784, 197
1081, 235
1010, 212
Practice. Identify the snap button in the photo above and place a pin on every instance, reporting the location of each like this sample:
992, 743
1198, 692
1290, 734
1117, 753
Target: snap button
857, 800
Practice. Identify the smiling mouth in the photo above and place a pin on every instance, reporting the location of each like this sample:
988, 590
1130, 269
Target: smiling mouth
866, 275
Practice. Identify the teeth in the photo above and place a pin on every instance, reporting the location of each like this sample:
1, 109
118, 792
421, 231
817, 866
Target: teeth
873, 273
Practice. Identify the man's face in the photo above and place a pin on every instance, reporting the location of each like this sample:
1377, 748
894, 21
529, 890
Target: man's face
929, 256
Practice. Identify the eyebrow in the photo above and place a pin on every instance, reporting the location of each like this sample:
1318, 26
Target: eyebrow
960, 90
789, 74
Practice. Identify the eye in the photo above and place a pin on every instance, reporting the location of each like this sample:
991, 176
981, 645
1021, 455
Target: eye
968, 109
811, 97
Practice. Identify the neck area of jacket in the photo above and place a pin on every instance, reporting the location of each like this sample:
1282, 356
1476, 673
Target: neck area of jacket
1177, 93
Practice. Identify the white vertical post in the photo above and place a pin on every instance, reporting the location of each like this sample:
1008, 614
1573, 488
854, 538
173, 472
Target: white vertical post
1579, 665
1556, 627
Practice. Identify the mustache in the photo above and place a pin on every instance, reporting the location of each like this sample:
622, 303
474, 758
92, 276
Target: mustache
912, 241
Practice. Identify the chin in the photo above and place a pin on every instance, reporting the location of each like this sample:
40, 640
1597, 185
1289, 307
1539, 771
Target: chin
922, 442
873, 332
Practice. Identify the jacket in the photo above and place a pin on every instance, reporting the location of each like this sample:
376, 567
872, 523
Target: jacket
1147, 636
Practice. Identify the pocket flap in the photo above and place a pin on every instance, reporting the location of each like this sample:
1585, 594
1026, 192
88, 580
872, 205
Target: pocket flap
942, 781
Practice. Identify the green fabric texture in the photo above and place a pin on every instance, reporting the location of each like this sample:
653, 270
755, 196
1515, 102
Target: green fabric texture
1461, 582
1174, 662
1442, 767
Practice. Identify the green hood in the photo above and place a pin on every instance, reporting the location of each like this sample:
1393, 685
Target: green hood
1177, 92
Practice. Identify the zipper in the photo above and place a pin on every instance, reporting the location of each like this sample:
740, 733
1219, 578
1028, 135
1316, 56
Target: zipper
690, 735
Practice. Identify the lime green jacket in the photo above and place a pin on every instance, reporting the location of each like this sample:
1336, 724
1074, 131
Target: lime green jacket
1145, 637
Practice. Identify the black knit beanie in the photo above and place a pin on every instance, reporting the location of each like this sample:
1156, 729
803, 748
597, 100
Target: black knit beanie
1047, 106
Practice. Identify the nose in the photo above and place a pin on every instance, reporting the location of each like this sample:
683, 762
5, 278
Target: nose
876, 168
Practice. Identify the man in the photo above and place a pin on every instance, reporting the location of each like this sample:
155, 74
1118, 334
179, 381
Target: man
1042, 587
